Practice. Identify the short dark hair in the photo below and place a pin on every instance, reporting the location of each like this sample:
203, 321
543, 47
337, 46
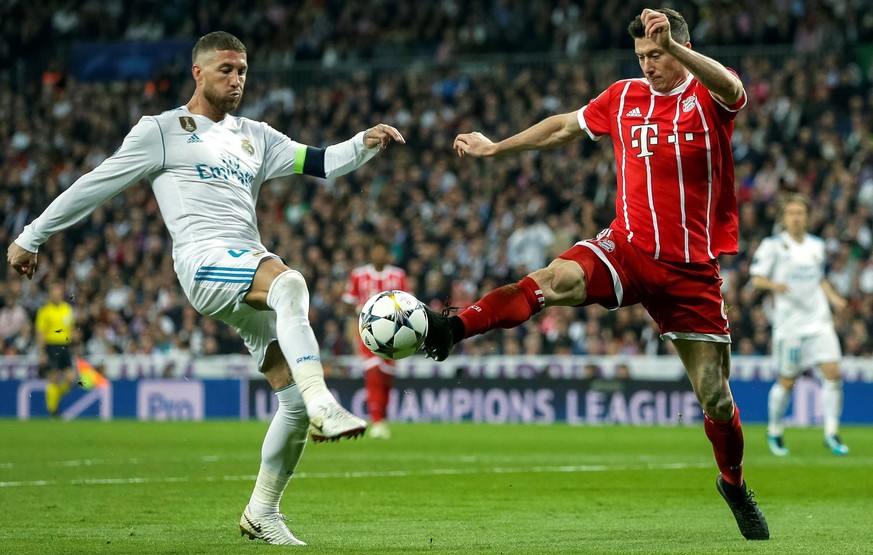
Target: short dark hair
678, 26
216, 40
380, 242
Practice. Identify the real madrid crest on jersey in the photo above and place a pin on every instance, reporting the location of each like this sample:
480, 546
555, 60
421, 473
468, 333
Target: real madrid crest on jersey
247, 147
187, 123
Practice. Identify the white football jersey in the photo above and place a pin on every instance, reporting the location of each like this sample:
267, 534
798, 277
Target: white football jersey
802, 310
205, 175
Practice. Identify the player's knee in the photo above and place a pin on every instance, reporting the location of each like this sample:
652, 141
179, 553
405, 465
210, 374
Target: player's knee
289, 290
717, 402
713, 391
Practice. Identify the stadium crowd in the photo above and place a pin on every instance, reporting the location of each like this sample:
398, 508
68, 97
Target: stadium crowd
459, 229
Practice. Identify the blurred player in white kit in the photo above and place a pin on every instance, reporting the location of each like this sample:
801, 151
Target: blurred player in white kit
791, 265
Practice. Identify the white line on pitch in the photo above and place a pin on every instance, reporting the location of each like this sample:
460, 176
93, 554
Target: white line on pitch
363, 474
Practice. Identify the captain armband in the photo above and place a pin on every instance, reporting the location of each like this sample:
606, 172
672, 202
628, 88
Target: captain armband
309, 160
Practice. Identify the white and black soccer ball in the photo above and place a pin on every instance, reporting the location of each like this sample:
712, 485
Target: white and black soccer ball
393, 324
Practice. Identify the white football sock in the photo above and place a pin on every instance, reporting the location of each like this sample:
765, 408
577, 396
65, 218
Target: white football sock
777, 404
832, 405
282, 449
289, 297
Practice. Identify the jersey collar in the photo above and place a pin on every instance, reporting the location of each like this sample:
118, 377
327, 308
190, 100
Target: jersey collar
680, 89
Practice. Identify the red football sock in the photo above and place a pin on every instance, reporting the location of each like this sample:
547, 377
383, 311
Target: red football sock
378, 385
505, 307
726, 437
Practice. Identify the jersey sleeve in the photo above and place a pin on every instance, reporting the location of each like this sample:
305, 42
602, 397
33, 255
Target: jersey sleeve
730, 111
595, 118
285, 156
764, 259
141, 154
352, 291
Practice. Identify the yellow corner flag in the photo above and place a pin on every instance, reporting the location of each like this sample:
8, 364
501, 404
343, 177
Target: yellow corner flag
90, 378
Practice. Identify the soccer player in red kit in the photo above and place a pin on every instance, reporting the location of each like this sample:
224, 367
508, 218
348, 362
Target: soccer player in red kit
364, 282
676, 212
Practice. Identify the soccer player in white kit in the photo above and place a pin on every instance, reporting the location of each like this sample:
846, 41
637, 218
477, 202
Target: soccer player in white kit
206, 168
790, 264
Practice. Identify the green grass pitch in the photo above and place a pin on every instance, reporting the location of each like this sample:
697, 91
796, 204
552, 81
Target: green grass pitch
135, 487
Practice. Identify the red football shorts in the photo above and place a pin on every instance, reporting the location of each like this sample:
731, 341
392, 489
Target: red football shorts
684, 299
372, 360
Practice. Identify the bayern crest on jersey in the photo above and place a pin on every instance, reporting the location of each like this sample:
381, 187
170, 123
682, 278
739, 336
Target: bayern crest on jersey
689, 103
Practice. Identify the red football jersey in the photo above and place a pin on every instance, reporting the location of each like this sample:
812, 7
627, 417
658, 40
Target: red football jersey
675, 167
366, 281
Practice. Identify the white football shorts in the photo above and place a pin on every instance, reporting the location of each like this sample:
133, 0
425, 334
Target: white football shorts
215, 280
794, 356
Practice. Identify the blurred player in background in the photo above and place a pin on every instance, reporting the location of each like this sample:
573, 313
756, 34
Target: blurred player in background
791, 265
364, 282
55, 332
676, 212
206, 169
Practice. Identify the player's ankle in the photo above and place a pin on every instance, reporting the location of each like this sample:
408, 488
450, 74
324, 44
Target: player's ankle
458, 329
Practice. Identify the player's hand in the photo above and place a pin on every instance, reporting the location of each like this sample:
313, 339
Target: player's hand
657, 27
22, 260
839, 303
475, 144
779, 288
381, 135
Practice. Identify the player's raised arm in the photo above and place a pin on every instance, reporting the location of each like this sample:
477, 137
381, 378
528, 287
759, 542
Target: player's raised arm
140, 154
22, 260
551, 132
342, 158
286, 156
714, 76
381, 135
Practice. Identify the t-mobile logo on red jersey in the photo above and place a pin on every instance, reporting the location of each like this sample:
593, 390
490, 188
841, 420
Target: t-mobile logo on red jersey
648, 135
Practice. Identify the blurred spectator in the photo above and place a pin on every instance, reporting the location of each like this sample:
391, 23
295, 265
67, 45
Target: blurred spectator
450, 225
13, 317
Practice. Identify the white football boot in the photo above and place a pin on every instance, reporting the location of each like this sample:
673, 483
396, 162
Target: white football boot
332, 422
270, 528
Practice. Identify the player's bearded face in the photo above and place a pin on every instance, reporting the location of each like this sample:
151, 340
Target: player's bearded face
223, 80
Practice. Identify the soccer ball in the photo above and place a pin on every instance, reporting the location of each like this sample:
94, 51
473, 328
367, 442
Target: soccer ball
393, 324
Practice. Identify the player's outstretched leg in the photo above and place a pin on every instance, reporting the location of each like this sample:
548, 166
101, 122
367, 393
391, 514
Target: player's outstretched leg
753, 525
270, 528
289, 297
439, 342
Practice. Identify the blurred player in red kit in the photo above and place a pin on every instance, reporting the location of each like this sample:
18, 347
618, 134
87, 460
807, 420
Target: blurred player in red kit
676, 212
364, 282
